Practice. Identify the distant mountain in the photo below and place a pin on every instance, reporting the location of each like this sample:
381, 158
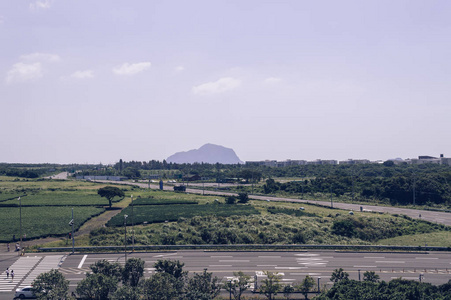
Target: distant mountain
208, 153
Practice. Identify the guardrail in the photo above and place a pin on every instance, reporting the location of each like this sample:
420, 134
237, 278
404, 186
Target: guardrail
243, 247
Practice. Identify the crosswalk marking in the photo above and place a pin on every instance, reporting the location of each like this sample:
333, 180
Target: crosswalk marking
47, 264
21, 268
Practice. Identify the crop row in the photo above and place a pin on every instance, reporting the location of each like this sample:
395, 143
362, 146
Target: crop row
48, 198
38, 222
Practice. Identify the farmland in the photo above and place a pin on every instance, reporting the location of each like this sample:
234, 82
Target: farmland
162, 217
45, 207
42, 221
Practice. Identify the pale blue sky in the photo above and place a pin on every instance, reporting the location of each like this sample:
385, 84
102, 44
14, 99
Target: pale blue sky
96, 81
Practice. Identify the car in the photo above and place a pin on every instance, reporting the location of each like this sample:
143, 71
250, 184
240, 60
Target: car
25, 292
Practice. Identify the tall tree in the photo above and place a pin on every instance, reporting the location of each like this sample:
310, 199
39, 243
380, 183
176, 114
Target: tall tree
306, 286
370, 276
238, 285
133, 271
51, 285
110, 192
108, 269
202, 286
161, 286
270, 286
339, 275
96, 287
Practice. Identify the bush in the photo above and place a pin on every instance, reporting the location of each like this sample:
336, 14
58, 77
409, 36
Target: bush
230, 200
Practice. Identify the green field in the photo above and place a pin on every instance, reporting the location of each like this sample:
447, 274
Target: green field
196, 219
59, 198
161, 201
170, 213
42, 221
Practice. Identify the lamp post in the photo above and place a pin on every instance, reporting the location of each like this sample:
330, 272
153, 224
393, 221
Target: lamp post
20, 221
133, 230
72, 235
319, 290
359, 274
230, 289
125, 239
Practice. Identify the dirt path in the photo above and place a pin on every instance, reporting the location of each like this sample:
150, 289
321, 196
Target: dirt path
97, 222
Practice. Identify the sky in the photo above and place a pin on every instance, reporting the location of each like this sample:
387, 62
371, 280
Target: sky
98, 81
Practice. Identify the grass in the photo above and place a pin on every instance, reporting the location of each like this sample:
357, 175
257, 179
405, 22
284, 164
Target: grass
162, 213
438, 239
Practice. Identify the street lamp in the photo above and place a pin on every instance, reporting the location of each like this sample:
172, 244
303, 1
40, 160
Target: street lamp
230, 289
20, 220
133, 230
125, 239
318, 285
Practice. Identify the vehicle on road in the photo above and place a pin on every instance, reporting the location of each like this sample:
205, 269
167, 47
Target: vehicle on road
25, 292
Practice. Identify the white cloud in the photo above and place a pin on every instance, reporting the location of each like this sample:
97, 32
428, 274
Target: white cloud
271, 80
83, 74
2, 19
41, 57
222, 85
179, 68
131, 69
23, 72
40, 4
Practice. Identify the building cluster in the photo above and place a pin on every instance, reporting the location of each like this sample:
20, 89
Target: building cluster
420, 160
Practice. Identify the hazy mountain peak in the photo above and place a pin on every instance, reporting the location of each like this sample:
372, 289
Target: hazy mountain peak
208, 153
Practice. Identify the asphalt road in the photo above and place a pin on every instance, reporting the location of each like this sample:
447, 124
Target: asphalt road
293, 266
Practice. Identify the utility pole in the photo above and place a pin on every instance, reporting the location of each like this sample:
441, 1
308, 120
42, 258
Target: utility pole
413, 189
125, 238
73, 238
331, 201
352, 178
133, 229
20, 220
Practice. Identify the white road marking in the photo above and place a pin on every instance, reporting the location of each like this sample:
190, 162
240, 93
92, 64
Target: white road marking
232, 261
163, 255
82, 261
391, 261
266, 265
426, 257
375, 257
269, 256
219, 266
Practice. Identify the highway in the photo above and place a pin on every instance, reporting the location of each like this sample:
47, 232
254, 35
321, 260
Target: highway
293, 266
